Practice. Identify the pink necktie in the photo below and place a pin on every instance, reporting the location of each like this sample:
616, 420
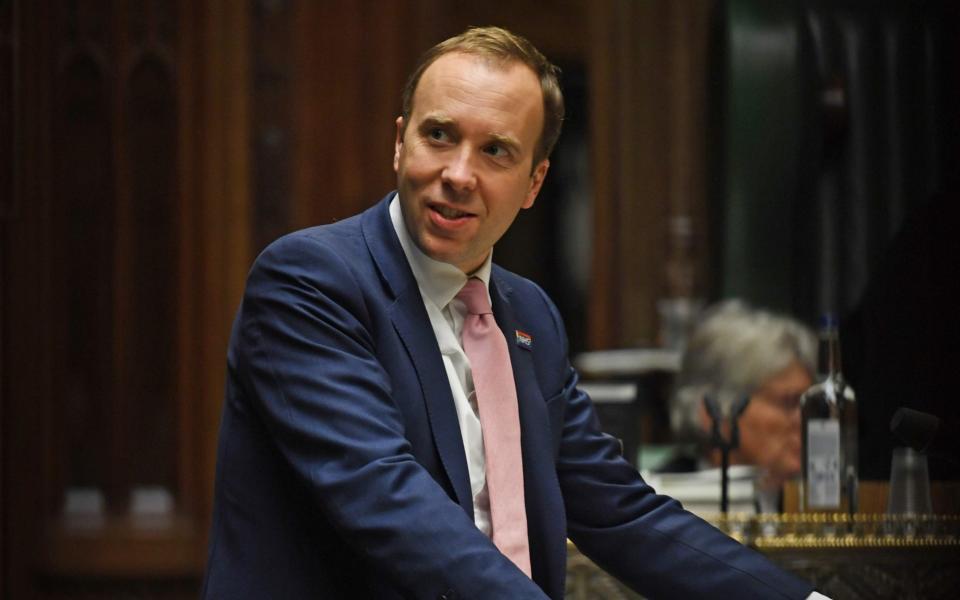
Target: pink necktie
500, 421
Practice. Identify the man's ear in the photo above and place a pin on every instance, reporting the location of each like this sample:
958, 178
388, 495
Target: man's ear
398, 144
536, 182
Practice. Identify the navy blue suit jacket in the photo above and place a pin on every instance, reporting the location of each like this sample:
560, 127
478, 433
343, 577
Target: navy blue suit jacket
341, 471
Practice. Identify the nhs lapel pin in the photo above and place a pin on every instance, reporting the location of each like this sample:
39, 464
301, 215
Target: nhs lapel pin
524, 339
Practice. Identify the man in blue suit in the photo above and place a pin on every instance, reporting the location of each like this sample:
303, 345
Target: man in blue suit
351, 460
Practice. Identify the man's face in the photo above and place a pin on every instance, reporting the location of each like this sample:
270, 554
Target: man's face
463, 162
770, 426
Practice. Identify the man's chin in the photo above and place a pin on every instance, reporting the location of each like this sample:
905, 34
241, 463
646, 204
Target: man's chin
439, 253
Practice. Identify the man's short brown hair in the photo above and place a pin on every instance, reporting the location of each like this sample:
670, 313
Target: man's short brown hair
500, 45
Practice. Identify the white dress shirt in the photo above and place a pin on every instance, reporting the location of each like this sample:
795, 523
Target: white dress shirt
439, 283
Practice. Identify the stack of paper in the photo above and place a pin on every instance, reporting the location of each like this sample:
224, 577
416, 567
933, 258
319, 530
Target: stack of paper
699, 491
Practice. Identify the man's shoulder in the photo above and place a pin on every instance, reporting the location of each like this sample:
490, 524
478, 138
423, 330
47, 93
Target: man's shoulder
321, 253
512, 284
529, 301
312, 246
342, 237
329, 232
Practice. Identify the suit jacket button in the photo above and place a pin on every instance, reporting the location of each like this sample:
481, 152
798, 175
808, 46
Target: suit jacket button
448, 595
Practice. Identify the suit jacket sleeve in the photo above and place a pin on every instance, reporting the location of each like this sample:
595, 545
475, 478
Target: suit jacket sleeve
644, 539
306, 361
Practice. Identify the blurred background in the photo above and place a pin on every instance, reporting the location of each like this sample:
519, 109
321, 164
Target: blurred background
799, 154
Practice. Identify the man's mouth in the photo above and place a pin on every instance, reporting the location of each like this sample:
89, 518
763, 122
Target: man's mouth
448, 212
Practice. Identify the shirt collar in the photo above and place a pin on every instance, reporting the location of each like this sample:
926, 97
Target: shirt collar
438, 281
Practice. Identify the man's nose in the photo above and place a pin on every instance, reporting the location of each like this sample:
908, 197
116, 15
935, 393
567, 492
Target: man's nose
459, 172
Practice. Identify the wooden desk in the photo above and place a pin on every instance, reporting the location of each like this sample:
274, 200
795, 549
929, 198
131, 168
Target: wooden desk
945, 496
868, 556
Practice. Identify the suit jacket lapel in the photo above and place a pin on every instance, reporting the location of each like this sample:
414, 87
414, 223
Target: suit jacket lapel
541, 487
412, 324
532, 410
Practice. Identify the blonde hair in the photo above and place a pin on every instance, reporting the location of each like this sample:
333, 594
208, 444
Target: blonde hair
500, 45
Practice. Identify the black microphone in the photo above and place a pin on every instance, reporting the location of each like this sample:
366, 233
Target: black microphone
716, 415
925, 433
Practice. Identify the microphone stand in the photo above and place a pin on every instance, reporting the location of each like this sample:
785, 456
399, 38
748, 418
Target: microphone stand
725, 445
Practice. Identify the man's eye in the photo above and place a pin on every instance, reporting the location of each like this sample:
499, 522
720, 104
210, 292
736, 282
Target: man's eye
495, 151
437, 134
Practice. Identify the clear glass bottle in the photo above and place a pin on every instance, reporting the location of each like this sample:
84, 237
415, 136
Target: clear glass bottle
829, 480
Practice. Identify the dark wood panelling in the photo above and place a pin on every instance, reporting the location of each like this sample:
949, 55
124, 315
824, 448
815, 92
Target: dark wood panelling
27, 236
7, 141
120, 268
648, 67
346, 99
214, 229
272, 126
7, 169
146, 354
558, 28
83, 176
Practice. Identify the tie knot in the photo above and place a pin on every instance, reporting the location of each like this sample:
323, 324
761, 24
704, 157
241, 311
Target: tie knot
474, 295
